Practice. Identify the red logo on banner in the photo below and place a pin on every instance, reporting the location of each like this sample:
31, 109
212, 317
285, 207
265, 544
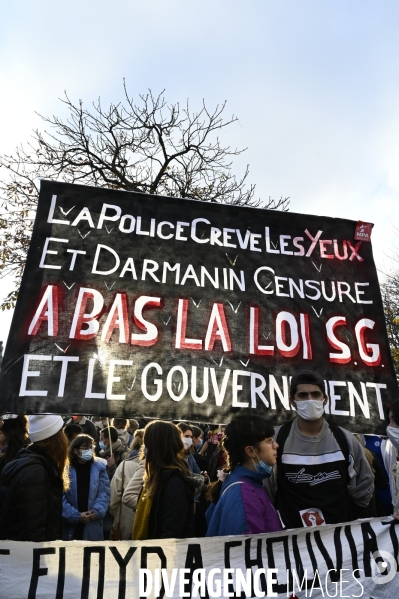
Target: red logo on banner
363, 231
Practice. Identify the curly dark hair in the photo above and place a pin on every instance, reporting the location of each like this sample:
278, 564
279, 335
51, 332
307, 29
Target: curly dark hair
241, 432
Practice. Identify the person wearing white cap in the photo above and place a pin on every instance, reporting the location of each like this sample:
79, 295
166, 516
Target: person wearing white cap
33, 483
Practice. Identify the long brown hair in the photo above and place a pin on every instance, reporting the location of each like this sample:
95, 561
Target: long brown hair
57, 447
164, 451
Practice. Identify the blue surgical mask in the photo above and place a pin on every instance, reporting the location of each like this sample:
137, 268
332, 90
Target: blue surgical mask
102, 445
86, 455
261, 467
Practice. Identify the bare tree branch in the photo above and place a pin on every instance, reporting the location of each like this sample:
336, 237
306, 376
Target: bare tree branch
151, 147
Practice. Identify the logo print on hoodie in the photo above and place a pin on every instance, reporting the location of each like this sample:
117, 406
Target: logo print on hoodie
316, 479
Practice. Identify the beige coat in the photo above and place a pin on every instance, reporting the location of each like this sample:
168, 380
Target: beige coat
127, 468
133, 488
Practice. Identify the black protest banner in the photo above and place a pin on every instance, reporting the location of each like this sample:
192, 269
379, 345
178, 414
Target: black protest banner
135, 304
357, 559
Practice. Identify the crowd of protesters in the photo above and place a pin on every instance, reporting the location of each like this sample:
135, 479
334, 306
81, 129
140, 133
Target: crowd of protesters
76, 478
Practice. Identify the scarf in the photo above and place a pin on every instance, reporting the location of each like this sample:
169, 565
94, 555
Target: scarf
140, 526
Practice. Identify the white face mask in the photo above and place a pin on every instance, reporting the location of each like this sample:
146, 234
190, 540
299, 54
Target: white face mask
187, 442
310, 409
393, 435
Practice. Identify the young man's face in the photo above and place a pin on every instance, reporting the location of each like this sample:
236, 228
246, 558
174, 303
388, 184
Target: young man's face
306, 391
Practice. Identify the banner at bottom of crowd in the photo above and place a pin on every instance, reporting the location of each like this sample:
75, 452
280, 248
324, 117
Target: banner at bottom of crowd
357, 559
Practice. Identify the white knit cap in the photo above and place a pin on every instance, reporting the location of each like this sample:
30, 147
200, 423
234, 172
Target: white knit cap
43, 426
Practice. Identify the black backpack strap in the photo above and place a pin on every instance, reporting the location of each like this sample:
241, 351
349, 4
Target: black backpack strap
281, 438
340, 439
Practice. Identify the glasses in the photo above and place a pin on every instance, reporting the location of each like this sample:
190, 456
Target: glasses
271, 440
306, 394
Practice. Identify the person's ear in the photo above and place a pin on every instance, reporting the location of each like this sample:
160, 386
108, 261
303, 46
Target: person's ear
249, 450
325, 400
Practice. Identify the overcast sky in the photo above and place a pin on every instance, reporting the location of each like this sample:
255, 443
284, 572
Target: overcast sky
315, 85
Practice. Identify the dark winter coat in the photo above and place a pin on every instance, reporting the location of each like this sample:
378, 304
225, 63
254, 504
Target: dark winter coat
172, 511
31, 491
